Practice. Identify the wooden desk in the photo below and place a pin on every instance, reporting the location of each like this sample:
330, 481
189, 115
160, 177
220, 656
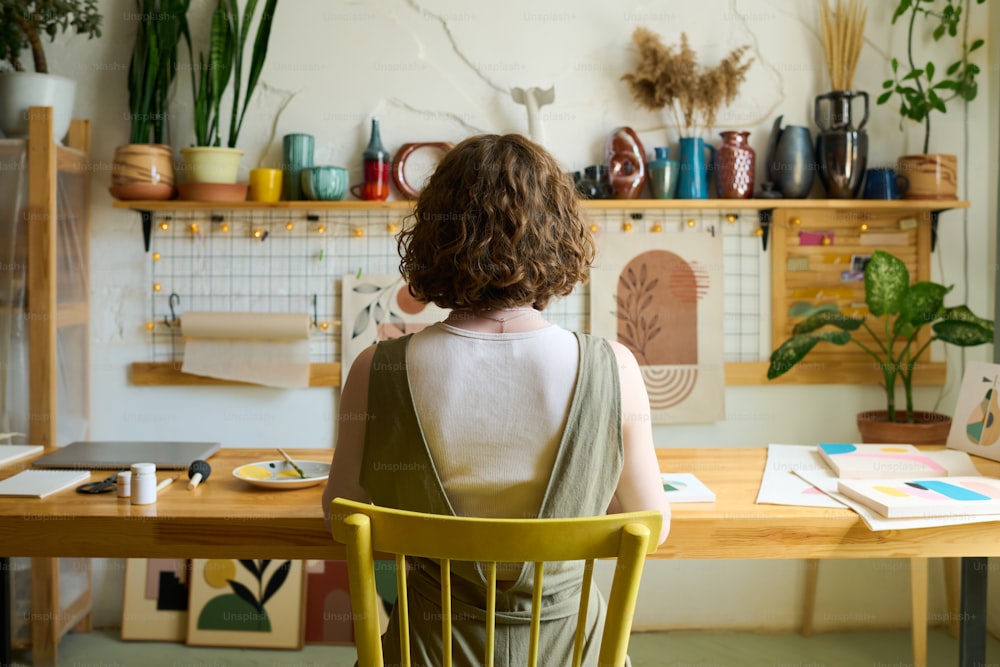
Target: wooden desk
227, 518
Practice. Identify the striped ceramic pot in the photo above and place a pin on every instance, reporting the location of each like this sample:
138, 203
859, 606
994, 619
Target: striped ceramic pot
143, 171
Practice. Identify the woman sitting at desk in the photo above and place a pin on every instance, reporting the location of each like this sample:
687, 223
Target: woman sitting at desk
495, 412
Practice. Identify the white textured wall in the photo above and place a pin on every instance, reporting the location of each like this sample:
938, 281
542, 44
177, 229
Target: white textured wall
440, 70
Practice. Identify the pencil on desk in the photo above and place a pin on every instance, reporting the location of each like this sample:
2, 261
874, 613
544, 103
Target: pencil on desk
165, 483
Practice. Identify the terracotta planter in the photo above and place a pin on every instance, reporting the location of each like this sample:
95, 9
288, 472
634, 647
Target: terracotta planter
930, 428
143, 171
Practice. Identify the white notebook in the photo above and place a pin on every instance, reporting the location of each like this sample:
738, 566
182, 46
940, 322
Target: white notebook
41, 483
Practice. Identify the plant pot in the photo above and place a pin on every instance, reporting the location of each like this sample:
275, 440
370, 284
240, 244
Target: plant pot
210, 164
930, 428
20, 91
143, 171
931, 175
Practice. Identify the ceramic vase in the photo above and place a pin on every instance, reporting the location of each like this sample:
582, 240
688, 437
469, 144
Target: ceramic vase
791, 163
626, 159
841, 145
297, 154
376, 167
692, 177
143, 171
734, 166
662, 173
594, 184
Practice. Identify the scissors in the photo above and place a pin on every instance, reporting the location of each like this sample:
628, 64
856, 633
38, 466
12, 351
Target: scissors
104, 486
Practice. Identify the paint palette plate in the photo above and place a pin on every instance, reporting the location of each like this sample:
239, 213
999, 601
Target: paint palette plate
278, 474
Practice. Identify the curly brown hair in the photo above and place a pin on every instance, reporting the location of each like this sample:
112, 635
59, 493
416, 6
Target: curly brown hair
497, 226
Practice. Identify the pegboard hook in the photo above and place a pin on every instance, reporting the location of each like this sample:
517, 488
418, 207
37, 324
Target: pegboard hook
174, 300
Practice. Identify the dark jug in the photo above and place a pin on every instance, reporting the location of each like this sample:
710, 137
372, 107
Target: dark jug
841, 147
791, 165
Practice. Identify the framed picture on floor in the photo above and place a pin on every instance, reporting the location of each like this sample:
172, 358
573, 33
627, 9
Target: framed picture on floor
246, 603
155, 603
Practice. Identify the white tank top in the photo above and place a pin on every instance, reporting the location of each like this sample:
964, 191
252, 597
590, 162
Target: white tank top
492, 408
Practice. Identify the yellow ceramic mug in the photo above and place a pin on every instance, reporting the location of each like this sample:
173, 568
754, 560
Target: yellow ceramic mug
265, 185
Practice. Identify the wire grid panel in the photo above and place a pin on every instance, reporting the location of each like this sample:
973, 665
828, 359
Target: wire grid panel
272, 261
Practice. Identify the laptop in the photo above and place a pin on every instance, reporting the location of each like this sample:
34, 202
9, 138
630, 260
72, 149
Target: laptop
91, 455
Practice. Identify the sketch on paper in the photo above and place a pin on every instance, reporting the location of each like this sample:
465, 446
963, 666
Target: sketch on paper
377, 306
661, 295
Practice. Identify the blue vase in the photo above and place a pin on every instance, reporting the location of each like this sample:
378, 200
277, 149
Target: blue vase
662, 173
692, 179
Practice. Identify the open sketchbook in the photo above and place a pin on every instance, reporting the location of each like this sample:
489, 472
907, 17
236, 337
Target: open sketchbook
684, 487
889, 461
33, 483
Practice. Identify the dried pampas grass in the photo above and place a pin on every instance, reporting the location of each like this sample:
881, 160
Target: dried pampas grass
671, 77
843, 36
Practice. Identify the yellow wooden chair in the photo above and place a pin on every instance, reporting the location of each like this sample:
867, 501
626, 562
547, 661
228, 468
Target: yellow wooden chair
367, 530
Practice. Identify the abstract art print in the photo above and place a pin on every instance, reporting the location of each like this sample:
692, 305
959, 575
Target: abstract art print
975, 424
378, 307
246, 603
661, 295
156, 599
328, 603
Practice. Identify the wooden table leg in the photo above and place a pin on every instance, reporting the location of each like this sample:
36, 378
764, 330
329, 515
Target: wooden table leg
5, 616
952, 585
918, 604
809, 599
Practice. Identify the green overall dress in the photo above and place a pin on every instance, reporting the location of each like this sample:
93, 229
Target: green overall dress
398, 472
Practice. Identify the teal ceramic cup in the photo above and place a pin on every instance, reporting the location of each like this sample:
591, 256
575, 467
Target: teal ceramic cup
324, 183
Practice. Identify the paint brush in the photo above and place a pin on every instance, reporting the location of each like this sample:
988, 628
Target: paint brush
291, 462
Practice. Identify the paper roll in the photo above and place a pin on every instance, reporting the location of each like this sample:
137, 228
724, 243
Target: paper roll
270, 349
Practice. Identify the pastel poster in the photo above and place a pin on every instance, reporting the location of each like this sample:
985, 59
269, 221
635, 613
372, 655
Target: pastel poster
661, 295
378, 306
975, 424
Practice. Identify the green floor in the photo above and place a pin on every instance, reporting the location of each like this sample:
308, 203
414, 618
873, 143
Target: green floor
659, 649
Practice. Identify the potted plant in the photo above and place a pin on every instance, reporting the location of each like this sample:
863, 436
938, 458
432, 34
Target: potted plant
23, 26
144, 168
923, 88
898, 311
208, 161
671, 78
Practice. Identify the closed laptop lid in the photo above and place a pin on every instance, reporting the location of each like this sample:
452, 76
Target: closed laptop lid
92, 455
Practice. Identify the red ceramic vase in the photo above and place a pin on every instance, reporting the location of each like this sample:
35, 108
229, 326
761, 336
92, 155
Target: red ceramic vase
734, 166
626, 160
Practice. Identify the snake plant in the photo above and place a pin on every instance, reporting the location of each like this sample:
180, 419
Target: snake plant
151, 71
224, 63
898, 310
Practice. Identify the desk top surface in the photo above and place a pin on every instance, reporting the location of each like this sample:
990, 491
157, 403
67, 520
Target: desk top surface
226, 517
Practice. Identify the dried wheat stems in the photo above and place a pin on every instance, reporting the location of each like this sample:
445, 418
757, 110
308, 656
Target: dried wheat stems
843, 36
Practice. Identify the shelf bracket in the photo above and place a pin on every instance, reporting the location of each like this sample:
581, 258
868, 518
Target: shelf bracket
147, 227
765, 215
934, 226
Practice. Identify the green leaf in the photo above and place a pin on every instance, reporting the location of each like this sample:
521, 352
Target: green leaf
886, 283
975, 45
884, 97
930, 71
795, 348
922, 304
822, 319
913, 74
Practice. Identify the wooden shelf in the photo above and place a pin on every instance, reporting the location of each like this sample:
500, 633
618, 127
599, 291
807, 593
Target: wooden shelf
597, 204
167, 373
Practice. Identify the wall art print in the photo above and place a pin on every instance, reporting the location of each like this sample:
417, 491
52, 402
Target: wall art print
246, 603
155, 603
975, 424
661, 295
378, 306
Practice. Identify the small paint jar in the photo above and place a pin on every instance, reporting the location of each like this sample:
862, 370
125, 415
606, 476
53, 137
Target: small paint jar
143, 483
125, 484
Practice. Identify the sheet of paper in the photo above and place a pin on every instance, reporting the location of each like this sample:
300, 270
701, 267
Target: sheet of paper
41, 483
270, 349
780, 486
9, 453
